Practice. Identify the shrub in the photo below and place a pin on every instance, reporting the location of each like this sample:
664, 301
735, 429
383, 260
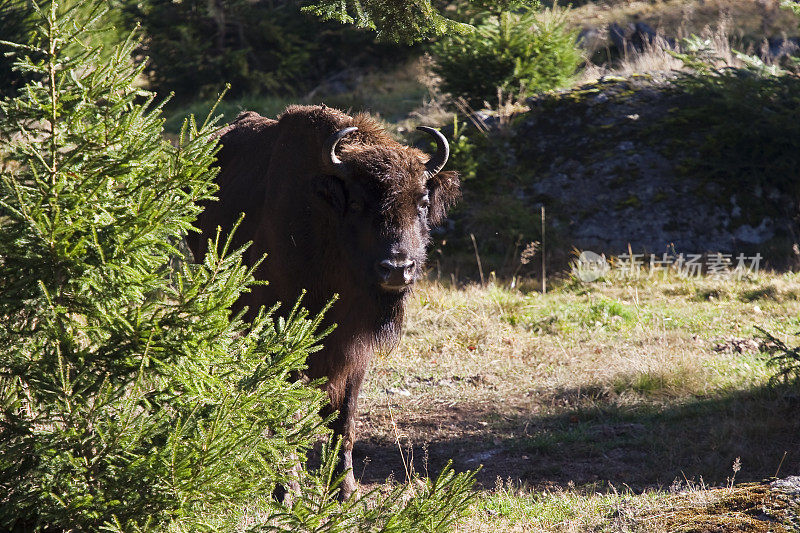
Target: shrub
524, 52
130, 397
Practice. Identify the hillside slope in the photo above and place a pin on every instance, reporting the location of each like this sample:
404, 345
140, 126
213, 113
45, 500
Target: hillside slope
663, 162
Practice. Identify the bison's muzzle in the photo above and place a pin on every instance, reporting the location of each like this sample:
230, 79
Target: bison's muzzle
396, 274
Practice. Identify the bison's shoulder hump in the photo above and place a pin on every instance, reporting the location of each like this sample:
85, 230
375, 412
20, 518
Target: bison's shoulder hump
328, 120
249, 133
246, 125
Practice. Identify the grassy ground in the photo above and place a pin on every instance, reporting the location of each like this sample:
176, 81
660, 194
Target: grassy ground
593, 406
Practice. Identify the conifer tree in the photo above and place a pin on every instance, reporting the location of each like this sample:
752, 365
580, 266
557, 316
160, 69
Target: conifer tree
399, 21
130, 397
128, 393
405, 21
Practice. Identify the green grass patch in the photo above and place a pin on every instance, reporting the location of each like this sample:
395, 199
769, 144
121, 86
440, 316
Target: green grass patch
562, 510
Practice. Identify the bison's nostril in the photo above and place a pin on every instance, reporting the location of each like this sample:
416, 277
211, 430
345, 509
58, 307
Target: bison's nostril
395, 273
384, 269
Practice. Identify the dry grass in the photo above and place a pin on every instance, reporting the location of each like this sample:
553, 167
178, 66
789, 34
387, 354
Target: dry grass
751, 18
599, 333
722, 25
569, 395
718, 49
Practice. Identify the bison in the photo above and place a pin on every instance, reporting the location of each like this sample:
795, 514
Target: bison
339, 207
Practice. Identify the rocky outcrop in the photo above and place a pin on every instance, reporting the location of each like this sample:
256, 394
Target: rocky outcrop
609, 159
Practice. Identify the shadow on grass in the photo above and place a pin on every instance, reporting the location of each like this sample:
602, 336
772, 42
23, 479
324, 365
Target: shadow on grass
640, 447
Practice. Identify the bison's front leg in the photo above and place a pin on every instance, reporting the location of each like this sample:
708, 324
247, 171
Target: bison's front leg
344, 426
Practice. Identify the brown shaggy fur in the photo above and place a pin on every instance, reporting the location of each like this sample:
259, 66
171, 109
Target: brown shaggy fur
326, 235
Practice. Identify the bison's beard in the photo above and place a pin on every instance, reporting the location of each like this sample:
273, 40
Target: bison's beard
366, 314
389, 318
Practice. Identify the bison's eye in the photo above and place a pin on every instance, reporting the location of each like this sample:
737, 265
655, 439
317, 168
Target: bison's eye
423, 203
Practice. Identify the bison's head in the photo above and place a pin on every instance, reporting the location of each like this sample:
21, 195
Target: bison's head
382, 201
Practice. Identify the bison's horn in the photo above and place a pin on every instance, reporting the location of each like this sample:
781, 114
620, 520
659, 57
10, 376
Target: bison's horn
330, 162
437, 161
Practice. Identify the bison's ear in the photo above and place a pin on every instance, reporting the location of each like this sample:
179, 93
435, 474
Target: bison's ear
331, 190
443, 189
